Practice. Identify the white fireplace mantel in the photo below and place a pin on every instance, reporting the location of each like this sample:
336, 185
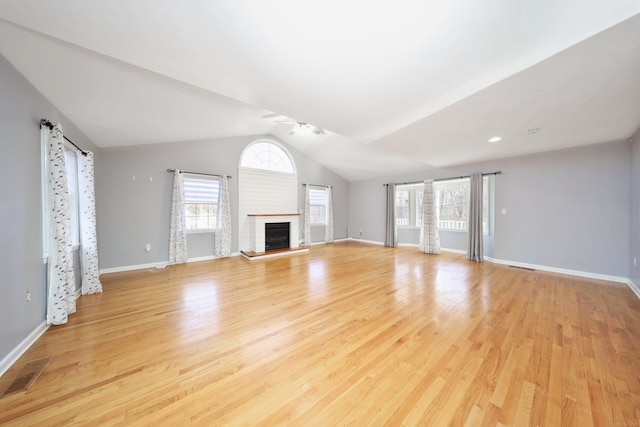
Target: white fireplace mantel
256, 229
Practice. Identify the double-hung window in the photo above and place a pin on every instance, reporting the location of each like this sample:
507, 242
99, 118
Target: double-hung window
317, 205
71, 169
409, 206
452, 204
200, 202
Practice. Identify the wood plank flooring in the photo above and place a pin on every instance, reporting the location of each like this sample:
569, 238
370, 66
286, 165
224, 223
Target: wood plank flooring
348, 334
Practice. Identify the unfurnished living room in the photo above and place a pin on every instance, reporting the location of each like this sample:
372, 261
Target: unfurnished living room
262, 213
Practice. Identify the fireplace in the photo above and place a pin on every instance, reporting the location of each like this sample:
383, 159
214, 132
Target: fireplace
276, 235
260, 223
268, 232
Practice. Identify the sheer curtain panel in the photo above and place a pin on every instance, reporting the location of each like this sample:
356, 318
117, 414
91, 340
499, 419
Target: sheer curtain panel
475, 243
177, 228
60, 277
328, 229
307, 217
391, 237
223, 221
429, 238
88, 237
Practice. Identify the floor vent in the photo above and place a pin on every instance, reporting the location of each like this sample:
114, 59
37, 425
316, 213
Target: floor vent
523, 268
27, 376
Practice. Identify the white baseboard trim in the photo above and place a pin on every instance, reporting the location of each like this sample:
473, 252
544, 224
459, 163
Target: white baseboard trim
158, 264
371, 242
634, 288
454, 251
15, 354
133, 267
209, 257
578, 273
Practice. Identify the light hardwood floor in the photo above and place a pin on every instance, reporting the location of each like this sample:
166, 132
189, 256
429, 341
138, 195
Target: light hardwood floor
348, 334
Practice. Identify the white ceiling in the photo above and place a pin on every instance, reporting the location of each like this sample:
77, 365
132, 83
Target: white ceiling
398, 86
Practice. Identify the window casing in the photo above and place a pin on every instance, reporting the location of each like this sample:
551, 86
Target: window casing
267, 156
452, 204
409, 206
317, 205
200, 202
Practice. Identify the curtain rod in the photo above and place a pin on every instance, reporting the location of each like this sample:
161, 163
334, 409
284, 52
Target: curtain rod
316, 185
445, 179
47, 123
200, 173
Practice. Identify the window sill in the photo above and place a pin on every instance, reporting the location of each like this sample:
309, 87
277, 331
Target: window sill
209, 230
484, 233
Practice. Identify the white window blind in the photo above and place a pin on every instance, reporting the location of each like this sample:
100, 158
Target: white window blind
200, 202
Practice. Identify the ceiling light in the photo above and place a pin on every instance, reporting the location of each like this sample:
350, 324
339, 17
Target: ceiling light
495, 139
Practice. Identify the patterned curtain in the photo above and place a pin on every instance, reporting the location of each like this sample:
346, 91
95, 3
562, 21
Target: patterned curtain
474, 248
307, 217
60, 278
88, 238
223, 221
177, 228
429, 239
328, 229
390, 238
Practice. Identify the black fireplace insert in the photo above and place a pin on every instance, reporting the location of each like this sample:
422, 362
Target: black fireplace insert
276, 236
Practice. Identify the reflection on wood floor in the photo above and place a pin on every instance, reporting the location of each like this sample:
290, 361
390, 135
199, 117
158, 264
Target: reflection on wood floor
348, 334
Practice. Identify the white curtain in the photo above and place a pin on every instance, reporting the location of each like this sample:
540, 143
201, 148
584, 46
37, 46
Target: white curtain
177, 227
475, 243
429, 239
307, 217
87, 218
390, 238
223, 220
60, 278
328, 229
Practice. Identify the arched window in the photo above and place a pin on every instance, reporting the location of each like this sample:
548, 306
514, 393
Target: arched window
267, 155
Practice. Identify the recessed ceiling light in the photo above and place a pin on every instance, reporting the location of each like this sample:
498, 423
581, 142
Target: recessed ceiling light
495, 139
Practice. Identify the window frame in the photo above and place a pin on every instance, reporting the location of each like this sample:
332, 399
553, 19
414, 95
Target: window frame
249, 151
486, 200
415, 208
324, 205
211, 219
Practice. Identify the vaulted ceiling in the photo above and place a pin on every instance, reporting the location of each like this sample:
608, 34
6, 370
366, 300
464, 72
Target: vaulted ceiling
397, 86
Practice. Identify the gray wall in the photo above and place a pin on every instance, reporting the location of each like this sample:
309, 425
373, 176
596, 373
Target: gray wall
133, 213
21, 108
565, 209
634, 211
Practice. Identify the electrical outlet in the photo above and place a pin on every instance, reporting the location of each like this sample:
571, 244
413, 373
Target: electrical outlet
361, 232
148, 247
28, 296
